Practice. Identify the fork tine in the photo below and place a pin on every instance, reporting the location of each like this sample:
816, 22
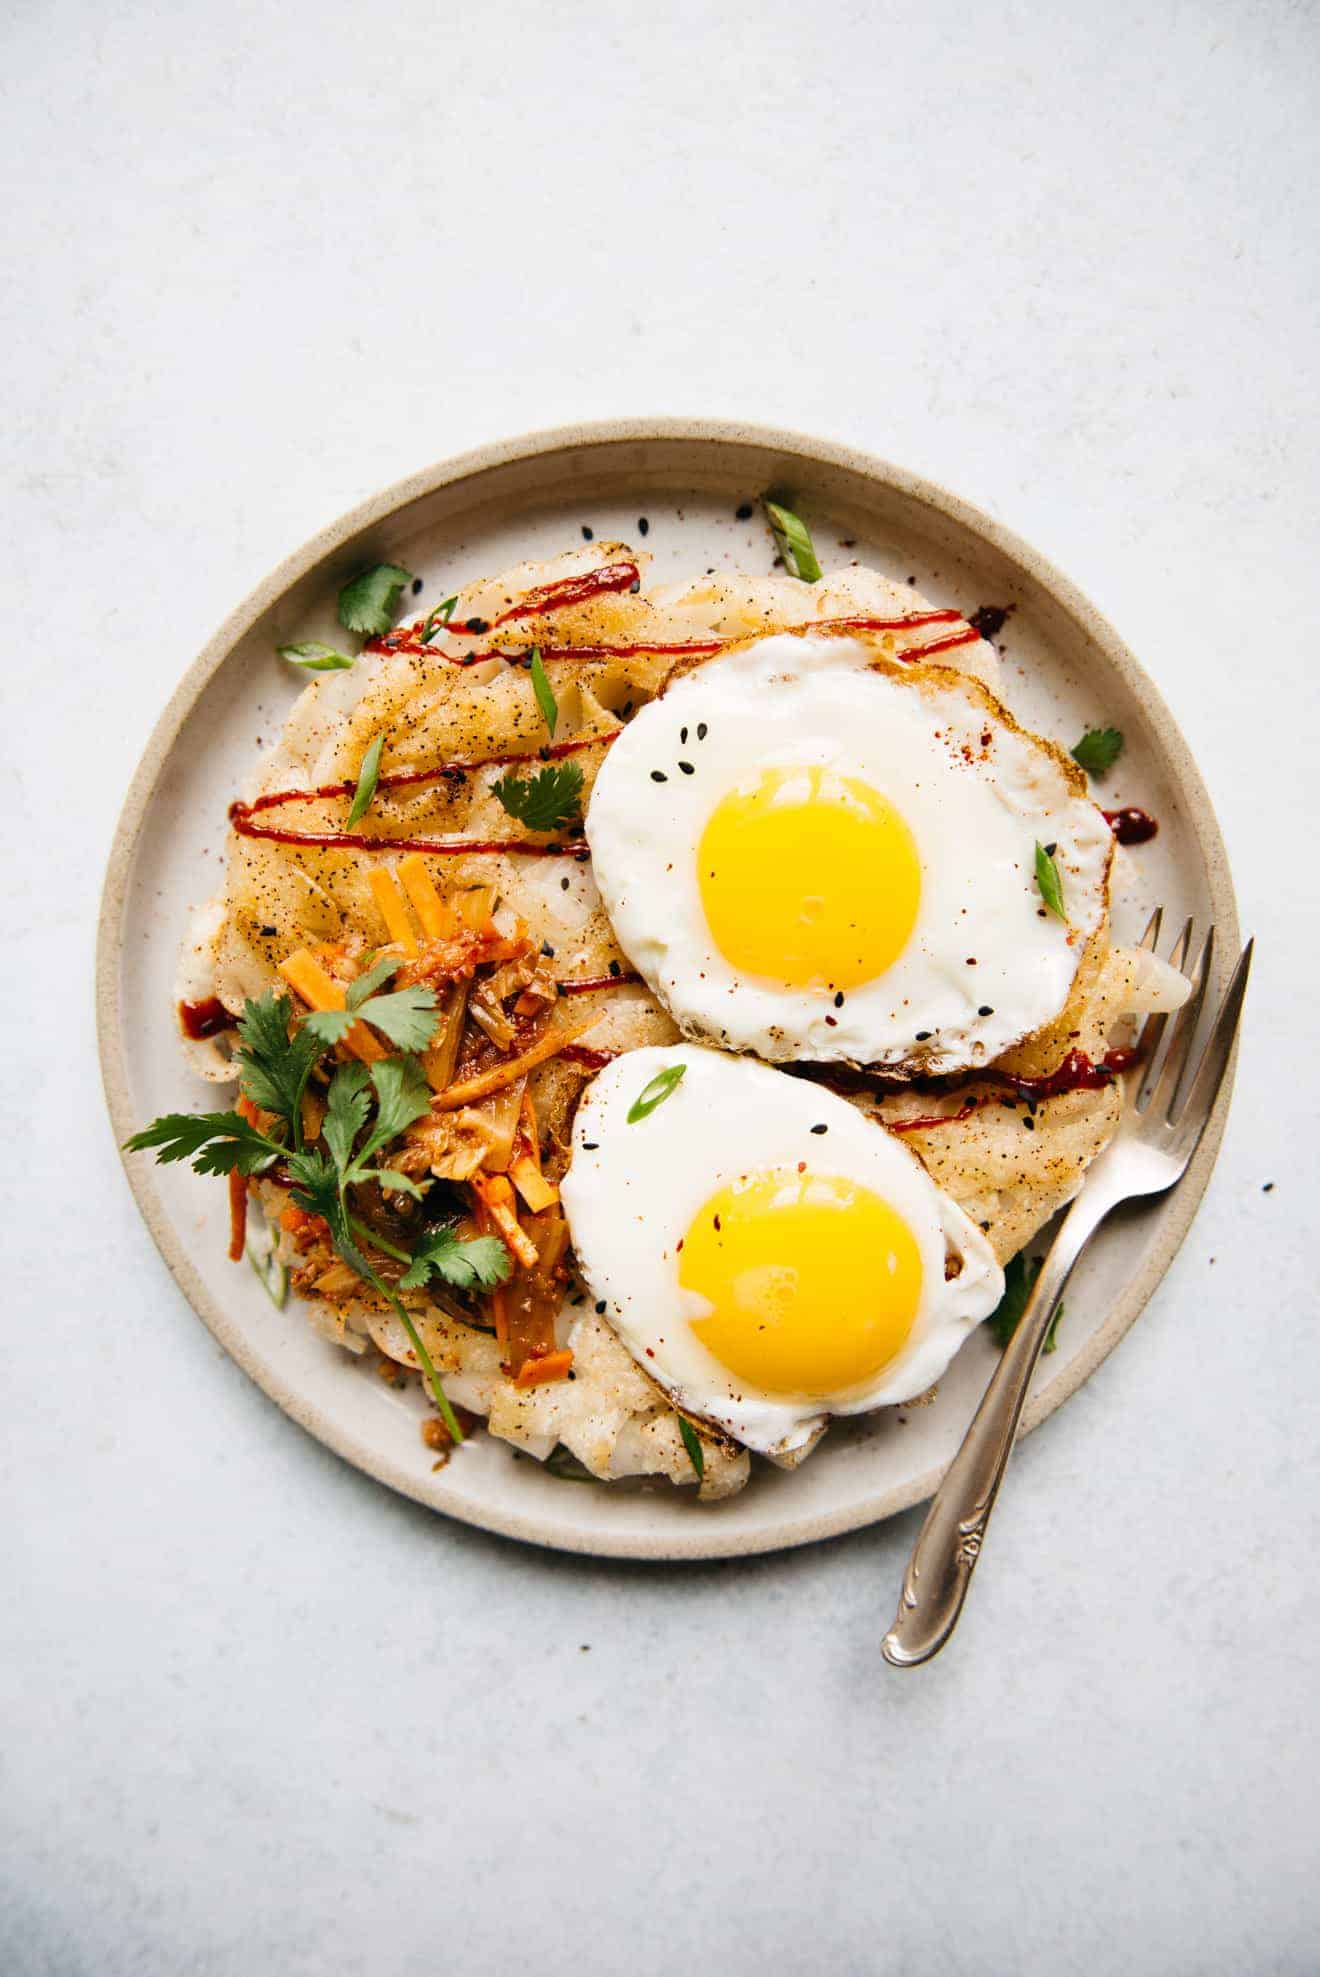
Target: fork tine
1182, 1037
1191, 1014
1200, 1100
1151, 938
1152, 1034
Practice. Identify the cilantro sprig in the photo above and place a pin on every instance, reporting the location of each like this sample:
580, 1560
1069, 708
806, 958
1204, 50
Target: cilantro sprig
1098, 750
546, 801
367, 1108
368, 601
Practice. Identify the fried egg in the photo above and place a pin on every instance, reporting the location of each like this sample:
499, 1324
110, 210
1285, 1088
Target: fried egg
811, 851
766, 1253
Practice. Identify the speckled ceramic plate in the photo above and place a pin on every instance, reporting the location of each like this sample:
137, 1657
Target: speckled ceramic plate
1064, 669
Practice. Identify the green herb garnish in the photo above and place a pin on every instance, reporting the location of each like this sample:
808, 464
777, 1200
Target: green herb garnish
1020, 1274
793, 541
656, 1092
365, 1110
546, 801
315, 657
1047, 878
407, 1017
1098, 750
541, 687
366, 782
437, 619
480, 1264
692, 1443
271, 1273
367, 602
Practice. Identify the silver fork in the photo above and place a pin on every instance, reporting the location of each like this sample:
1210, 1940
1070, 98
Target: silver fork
1165, 1118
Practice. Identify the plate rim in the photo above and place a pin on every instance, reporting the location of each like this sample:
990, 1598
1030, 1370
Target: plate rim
705, 1540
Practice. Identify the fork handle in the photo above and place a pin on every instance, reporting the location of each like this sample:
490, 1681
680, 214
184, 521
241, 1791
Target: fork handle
944, 1557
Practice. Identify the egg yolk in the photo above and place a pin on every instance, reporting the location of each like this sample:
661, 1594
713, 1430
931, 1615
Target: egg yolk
812, 1280
809, 878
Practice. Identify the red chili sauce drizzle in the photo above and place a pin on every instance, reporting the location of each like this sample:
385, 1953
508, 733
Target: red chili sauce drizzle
199, 1020
590, 1060
1077, 1072
1131, 826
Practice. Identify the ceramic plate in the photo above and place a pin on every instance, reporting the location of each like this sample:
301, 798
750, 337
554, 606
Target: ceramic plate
1064, 669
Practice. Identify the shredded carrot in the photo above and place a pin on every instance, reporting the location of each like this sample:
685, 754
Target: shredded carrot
536, 1372
500, 1075
320, 991
525, 1167
238, 1197
388, 895
499, 1303
435, 918
496, 1197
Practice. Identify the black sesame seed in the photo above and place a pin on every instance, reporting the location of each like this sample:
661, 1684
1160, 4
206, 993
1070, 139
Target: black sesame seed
702, 730
687, 768
971, 961
633, 588
591, 1146
600, 1308
838, 998
643, 526
923, 1036
588, 535
659, 776
615, 969
1050, 850
682, 734
417, 585
269, 933
820, 1129
563, 885
547, 950
744, 513
477, 625
985, 1010
1268, 1188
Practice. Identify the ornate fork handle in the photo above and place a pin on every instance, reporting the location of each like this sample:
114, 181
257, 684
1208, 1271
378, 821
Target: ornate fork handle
945, 1554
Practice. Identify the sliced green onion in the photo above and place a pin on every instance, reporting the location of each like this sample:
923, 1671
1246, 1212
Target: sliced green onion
692, 1443
545, 698
315, 657
659, 1089
438, 618
368, 775
273, 1276
793, 541
1051, 885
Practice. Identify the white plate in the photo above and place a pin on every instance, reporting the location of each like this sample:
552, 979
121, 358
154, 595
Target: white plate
1065, 669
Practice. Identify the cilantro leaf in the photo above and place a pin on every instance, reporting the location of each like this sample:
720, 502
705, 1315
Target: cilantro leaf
215, 1142
481, 1263
366, 782
1020, 1274
368, 601
347, 1105
315, 657
541, 687
692, 1443
408, 1017
402, 1095
274, 1066
546, 801
1049, 882
792, 540
1098, 750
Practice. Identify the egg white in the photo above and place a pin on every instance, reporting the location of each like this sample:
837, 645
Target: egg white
632, 1191
986, 965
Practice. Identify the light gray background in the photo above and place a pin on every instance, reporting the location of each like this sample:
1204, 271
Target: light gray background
258, 1715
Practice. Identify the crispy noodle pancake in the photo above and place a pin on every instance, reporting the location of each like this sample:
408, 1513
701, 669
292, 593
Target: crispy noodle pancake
526, 963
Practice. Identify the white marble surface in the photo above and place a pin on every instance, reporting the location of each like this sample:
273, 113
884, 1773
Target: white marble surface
260, 1716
